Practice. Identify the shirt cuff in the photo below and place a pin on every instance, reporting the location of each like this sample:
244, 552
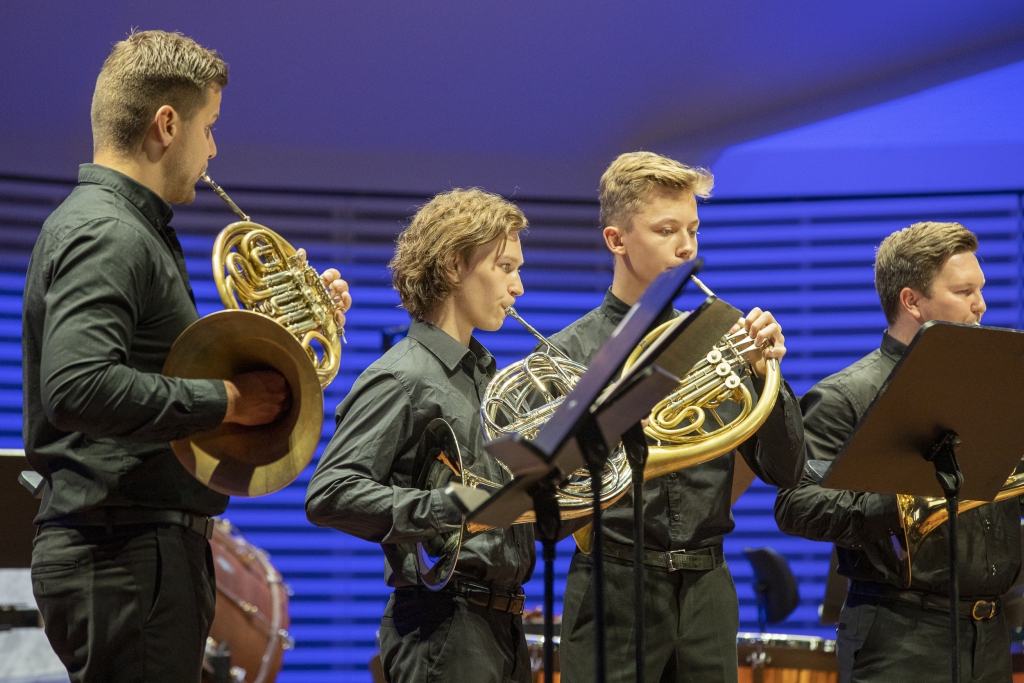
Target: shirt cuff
209, 403
447, 515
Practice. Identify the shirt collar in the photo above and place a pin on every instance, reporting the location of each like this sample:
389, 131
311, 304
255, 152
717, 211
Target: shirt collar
156, 210
614, 307
447, 349
892, 347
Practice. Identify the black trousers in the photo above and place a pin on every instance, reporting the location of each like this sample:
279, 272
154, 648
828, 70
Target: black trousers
132, 605
691, 618
895, 642
426, 636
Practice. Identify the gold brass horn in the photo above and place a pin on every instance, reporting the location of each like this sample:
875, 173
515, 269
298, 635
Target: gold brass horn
921, 515
685, 429
523, 396
287, 314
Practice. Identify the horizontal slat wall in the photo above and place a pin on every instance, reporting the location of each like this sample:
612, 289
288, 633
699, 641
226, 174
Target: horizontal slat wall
809, 261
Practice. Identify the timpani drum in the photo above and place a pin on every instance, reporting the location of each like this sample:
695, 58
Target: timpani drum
535, 646
252, 607
788, 658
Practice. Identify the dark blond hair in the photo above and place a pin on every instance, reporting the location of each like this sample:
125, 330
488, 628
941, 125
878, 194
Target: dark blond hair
143, 73
912, 257
448, 227
631, 178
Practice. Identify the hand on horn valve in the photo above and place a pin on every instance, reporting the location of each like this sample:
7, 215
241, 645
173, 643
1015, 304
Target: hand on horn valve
256, 398
768, 338
338, 290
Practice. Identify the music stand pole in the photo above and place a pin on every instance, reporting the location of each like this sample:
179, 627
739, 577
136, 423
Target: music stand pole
947, 471
545, 505
635, 443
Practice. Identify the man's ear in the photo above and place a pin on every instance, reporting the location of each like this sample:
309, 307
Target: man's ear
456, 266
613, 239
167, 124
910, 303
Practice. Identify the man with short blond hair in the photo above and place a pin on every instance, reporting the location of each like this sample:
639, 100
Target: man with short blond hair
649, 222
122, 569
456, 269
894, 626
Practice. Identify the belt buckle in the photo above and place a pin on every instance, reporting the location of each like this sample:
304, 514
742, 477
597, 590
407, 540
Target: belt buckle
991, 610
671, 557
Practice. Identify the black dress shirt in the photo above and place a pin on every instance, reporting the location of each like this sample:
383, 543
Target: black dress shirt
690, 508
363, 482
861, 524
106, 296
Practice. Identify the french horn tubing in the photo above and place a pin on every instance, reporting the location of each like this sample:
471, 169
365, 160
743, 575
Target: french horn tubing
279, 315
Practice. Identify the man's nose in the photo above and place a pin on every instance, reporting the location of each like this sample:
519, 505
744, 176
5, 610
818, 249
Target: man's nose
516, 288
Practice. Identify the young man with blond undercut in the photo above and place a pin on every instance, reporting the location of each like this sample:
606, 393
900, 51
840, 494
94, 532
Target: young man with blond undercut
649, 222
456, 269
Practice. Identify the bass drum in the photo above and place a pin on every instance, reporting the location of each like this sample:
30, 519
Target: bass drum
787, 659
252, 609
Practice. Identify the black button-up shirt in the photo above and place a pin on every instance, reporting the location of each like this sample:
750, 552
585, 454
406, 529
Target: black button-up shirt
861, 524
363, 484
106, 295
690, 508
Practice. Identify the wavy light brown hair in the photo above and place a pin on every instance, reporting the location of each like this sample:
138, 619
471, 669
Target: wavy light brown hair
143, 73
447, 228
912, 257
632, 176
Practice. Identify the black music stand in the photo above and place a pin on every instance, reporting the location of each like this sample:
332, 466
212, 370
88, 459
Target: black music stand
934, 430
591, 420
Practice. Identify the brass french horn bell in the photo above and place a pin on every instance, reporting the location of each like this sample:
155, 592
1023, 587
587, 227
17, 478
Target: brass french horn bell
280, 317
921, 515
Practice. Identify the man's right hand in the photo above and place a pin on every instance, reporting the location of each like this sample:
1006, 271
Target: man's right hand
256, 398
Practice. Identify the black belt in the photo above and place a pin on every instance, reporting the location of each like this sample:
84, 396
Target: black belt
868, 591
700, 559
111, 517
500, 598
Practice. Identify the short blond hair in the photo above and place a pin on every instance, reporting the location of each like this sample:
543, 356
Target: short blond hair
912, 257
448, 227
143, 73
629, 180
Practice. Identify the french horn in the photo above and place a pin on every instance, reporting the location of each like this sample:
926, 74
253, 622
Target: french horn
921, 515
279, 315
685, 429
524, 396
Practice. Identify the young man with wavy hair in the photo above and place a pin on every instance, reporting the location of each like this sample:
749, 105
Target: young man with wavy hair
456, 269
649, 222
894, 627
122, 569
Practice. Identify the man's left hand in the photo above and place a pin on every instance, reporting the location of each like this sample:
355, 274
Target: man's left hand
338, 289
766, 332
